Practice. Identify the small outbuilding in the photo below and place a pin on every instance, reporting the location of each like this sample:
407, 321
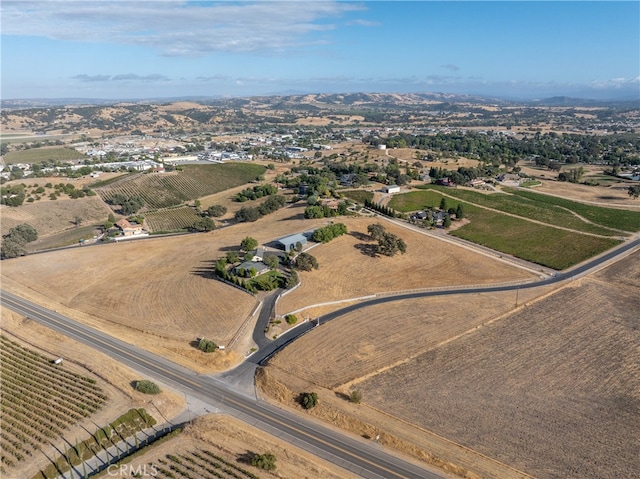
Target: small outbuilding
391, 189
289, 242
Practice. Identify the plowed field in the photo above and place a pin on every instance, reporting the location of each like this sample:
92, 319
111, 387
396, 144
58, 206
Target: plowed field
553, 390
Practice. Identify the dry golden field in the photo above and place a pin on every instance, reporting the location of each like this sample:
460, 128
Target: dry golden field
51, 217
614, 195
347, 271
383, 336
552, 389
160, 286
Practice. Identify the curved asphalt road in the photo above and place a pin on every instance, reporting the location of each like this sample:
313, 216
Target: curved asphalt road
271, 347
360, 457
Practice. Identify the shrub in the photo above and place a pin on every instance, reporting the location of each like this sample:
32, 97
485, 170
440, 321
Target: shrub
147, 387
216, 210
207, 345
291, 319
309, 400
306, 262
355, 396
264, 461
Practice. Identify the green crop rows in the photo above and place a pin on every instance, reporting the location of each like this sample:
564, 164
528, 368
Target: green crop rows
39, 401
543, 244
195, 181
201, 464
171, 219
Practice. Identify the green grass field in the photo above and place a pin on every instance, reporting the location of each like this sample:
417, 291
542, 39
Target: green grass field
625, 220
544, 245
540, 244
417, 200
358, 195
526, 207
37, 155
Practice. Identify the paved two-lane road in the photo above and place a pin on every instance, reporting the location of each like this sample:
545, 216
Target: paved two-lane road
363, 458
360, 457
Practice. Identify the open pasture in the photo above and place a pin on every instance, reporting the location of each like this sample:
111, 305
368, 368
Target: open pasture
552, 389
621, 219
385, 335
418, 200
544, 209
428, 262
45, 153
544, 245
161, 286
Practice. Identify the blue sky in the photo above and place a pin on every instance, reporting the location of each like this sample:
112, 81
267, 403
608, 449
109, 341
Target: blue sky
122, 49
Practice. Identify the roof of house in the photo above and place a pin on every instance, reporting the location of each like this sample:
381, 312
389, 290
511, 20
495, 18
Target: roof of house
125, 224
247, 265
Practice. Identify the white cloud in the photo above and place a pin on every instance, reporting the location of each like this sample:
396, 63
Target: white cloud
176, 27
364, 23
155, 77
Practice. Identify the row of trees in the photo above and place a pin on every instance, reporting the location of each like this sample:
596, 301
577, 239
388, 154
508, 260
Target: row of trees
251, 213
384, 210
256, 192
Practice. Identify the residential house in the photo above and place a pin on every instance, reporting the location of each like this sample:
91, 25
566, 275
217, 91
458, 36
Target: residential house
128, 228
245, 267
258, 254
477, 182
347, 179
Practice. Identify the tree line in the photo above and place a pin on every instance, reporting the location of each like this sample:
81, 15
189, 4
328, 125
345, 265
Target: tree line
496, 148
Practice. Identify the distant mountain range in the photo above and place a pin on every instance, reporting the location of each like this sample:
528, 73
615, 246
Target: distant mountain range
325, 100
